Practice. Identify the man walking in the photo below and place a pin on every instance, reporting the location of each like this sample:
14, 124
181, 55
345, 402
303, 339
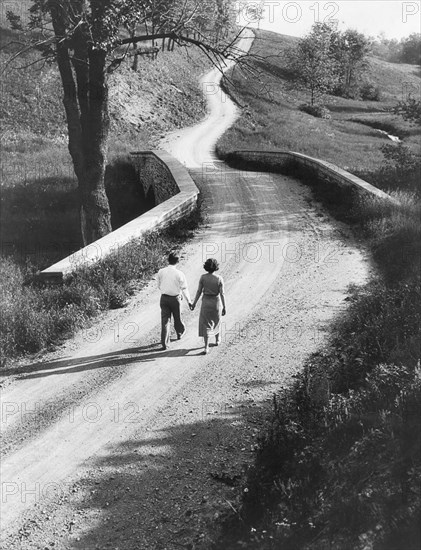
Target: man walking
172, 284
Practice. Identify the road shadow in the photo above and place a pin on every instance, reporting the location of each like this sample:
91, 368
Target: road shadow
120, 358
38, 418
165, 488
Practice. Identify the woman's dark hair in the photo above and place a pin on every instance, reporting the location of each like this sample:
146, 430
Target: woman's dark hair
211, 265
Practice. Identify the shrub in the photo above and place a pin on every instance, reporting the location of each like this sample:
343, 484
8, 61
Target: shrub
370, 92
342, 475
401, 169
117, 296
319, 111
380, 323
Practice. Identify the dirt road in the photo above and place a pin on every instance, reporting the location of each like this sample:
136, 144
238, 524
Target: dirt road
116, 444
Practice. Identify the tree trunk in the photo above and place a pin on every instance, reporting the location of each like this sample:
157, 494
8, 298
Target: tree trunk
135, 63
95, 210
86, 103
95, 215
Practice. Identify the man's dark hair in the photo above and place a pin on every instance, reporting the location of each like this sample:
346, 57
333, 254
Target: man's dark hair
173, 259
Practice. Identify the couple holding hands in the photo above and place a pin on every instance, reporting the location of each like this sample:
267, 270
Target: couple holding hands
172, 284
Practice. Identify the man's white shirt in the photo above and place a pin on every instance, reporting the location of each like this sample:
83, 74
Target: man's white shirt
172, 281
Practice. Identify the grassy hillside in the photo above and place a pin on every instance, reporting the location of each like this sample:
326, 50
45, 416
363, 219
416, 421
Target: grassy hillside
39, 217
348, 139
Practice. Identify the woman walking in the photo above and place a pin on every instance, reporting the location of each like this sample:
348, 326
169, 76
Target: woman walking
212, 288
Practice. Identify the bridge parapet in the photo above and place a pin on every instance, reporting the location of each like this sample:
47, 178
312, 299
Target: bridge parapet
283, 161
175, 193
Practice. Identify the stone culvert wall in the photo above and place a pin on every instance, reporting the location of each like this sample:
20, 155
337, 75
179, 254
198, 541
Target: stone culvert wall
154, 173
284, 162
175, 196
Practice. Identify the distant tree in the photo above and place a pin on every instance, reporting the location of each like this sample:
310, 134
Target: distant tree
312, 62
411, 49
387, 49
350, 50
394, 50
407, 50
89, 39
327, 60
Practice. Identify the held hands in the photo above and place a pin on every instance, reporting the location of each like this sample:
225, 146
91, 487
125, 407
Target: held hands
191, 306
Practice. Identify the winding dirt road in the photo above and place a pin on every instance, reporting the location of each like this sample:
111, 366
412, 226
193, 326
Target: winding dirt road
116, 444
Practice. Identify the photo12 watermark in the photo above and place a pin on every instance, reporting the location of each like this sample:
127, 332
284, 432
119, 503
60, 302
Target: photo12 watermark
252, 13
90, 412
32, 493
273, 251
410, 10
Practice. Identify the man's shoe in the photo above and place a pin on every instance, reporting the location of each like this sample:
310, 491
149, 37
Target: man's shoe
164, 347
180, 336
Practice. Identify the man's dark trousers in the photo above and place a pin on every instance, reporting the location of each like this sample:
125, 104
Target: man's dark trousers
170, 305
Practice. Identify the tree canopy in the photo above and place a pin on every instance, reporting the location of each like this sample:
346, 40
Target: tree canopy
90, 38
313, 63
407, 50
327, 60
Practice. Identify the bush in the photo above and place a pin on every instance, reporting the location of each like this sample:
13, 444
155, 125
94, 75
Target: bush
379, 325
117, 296
400, 171
319, 111
370, 92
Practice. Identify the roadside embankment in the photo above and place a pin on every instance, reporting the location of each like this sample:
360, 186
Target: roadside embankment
328, 472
